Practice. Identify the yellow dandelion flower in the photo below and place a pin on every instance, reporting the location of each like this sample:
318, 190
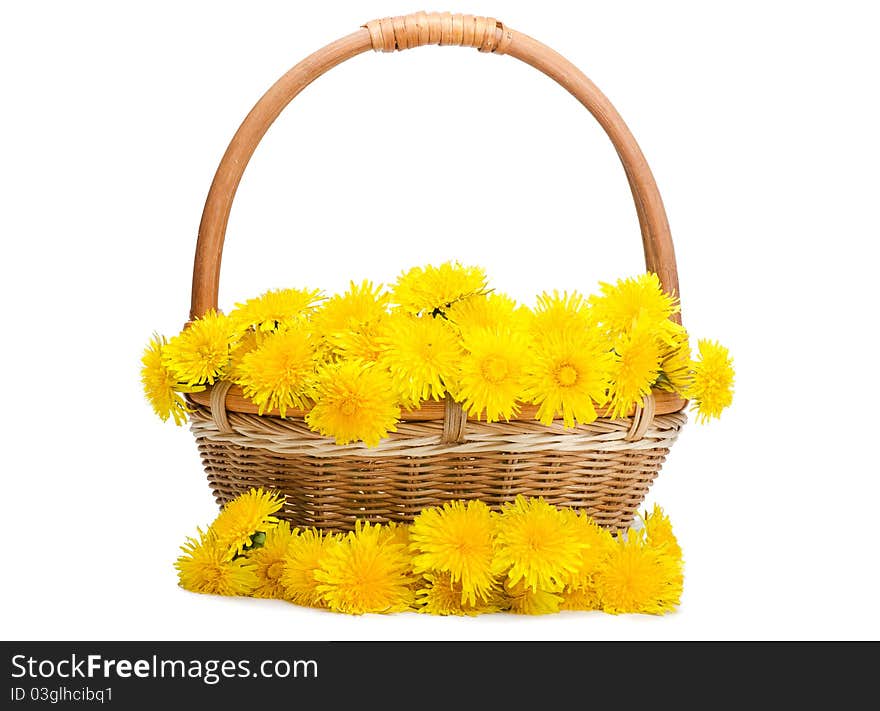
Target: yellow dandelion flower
160, 387
280, 372
568, 375
637, 301
583, 597
639, 578
268, 562
634, 370
244, 516
346, 320
206, 567
456, 539
354, 401
277, 308
712, 386
524, 600
422, 355
536, 545
658, 532
365, 573
432, 290
200, 353
488, 311
560, 314
675, 366
305, 551
492, 372
439, 595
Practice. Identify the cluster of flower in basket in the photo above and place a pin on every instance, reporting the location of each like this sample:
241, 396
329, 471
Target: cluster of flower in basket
458, 559
351, 362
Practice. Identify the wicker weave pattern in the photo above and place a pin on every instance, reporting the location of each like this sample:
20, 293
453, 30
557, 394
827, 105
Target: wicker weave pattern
592, 467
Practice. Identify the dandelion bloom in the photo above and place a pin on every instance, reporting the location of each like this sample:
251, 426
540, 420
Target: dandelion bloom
348, 323
636, 302
568, 375
524, 600
639, 578
280, 372
305, 551
634, 370
422, 355
160, 387
712, 386
536, 545
492, 373
268, 562
276, 308
488, 311
432, 290
560, 314
244, 516
199, 354
365, 573
206, 567
354, 402
456, 539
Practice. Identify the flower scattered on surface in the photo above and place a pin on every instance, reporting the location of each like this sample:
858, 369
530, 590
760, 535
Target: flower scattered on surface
244, 516
268, 562
458, 540
366, 572
458, 559
206, 567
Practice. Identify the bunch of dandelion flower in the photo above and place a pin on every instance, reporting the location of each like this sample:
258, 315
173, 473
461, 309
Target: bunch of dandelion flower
422, 355
354, 401
280, 372
492, 373
268, 562
365, 573
432, 290
567, 375
488, 311
347, 322
636, 577
712, 387
565, 313
438, 594
160, 387
634, 370
244, 516
636, 302
276, 309
457, 539
207, 567
524, 600
305, 551
535, 544
199, 354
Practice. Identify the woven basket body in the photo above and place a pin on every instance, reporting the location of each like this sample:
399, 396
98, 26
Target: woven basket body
437, 455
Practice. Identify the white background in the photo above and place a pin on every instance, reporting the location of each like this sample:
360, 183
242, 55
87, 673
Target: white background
759, 120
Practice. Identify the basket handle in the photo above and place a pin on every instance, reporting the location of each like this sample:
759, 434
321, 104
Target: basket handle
405, 32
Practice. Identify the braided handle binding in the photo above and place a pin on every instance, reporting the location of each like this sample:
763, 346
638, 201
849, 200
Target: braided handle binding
442, 28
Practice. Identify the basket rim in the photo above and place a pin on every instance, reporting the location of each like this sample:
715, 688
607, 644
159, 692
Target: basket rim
667, 403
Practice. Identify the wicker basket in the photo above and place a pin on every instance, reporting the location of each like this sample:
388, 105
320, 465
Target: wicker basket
604, 468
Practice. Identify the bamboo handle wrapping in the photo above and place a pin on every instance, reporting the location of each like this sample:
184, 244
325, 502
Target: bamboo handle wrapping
398, 33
